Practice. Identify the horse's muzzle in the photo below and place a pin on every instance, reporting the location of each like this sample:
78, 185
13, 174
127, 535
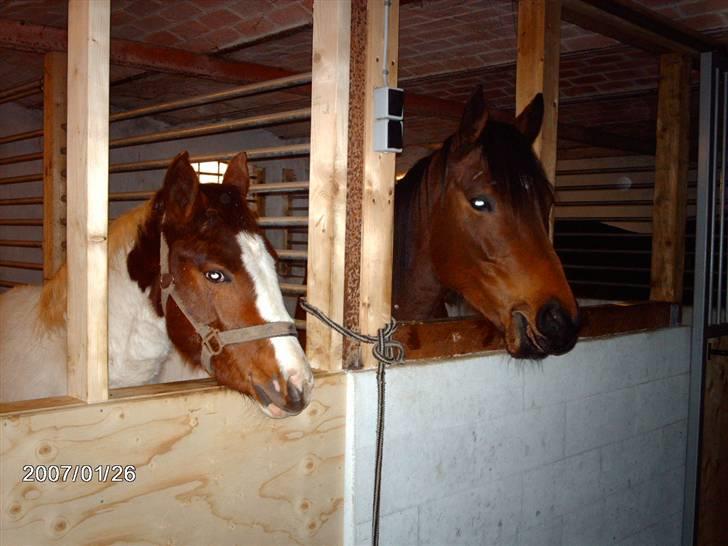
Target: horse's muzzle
555, 332
277, 402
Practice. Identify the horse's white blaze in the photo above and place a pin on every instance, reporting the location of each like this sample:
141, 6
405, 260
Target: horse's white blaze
269, 301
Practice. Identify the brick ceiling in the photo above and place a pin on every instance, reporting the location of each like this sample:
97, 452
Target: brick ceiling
446, 48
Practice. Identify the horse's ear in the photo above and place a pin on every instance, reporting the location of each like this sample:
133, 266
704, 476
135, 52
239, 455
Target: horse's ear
475, 116
181, 189
237, 173
529, 121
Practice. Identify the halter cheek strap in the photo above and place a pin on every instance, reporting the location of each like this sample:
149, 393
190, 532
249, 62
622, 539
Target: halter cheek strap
213, 340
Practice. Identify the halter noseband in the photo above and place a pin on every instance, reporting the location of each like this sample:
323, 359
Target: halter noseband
213, 340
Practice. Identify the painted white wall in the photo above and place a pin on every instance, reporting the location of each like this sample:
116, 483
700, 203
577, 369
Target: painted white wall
584, 449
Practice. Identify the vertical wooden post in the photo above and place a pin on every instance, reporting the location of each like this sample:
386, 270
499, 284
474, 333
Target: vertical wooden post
54, 161
88, 170
671, 179
327, 185
370, 206
537, 71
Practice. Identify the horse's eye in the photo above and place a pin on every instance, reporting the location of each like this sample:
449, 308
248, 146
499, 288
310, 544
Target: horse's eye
481, 204
215, 276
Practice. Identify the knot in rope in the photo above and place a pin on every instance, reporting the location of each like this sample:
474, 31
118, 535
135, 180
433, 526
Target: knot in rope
385, 349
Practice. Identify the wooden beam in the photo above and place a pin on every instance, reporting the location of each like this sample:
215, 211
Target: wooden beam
456, 337
637, 26
88, 172
54, 162
377, 198
671, 179
537, 70
327, 184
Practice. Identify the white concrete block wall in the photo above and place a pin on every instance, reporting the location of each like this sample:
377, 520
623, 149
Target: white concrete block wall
585, 449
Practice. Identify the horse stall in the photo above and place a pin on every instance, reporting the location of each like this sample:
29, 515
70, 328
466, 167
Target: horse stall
600, 445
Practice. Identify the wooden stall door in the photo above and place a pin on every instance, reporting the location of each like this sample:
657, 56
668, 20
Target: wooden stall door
713, 493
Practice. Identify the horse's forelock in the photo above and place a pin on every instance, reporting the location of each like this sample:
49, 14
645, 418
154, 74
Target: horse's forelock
516, 171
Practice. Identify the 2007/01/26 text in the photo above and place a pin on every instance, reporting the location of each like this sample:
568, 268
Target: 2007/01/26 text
84, 473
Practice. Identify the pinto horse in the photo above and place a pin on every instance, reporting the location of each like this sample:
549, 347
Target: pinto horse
213, 298
471, 219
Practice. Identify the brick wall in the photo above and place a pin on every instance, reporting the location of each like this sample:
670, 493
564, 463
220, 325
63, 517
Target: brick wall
583, 449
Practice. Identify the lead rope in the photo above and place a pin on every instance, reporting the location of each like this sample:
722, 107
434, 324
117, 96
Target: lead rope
387, 351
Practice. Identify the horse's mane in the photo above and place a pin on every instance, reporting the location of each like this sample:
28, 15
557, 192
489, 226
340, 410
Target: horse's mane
516, 171
122, 234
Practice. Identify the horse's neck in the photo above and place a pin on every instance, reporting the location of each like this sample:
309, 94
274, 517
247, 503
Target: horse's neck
138, 341
417, 293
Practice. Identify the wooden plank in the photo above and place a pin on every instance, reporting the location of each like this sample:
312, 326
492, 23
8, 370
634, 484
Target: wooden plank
54, 162
377, 203
327, 184
537, 71
638, 26
671, 179
208, 468
457, 337
88, 169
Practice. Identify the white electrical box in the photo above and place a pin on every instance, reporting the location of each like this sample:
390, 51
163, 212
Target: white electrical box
388, 114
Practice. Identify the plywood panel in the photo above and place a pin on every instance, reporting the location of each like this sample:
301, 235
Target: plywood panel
209, 469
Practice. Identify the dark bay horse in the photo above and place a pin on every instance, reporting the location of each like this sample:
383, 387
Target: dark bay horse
190, 274
472, 219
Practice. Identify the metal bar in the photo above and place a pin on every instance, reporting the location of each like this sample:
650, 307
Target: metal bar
635, 219
279, 187
603, 283
34, 85
724, 102
701, 298
20, 222
21, 179
215, 128
293, 289
288, 254
22, 201
711, 182
21, 136
612, 203
9, 160
607, 268
282, 221
21, 244
259, 154
234, 93
21, 265
19, 96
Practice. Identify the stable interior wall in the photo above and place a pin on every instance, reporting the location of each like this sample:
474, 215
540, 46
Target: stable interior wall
586, 448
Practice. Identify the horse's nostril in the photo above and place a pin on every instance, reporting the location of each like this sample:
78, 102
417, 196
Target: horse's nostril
296, 400
552, 319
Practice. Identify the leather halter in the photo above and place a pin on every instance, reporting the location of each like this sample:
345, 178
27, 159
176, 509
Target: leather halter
213, 340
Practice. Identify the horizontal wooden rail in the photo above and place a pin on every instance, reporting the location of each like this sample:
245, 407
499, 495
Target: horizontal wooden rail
607, 268
18, 96
252, 122
612, 203
576, 282
21, 265
21, 201
9, 160
21, 179
456, 337
21, 136
255, 154
21, 221
282, 221
277, 84
11, 284
21, 244
625, 219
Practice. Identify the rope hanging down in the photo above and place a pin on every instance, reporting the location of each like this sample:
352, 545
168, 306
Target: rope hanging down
387, 351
